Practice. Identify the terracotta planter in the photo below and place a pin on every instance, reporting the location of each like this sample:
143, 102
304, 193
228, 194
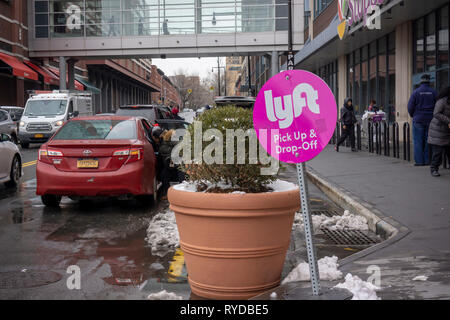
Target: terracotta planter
234, 244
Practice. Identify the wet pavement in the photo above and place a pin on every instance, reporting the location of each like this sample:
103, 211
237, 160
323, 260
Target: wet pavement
106, 239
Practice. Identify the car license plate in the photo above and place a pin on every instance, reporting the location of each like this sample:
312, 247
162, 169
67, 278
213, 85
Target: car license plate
38, 135
87, 163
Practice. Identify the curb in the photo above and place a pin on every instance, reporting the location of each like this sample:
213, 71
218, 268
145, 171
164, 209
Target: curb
386, 227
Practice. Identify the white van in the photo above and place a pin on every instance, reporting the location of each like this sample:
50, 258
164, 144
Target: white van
46, 112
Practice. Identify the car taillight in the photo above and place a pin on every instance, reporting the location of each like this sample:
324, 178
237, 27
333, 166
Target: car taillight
44, 155
134, 154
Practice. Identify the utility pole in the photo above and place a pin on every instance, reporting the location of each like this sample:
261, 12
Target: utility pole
218, 75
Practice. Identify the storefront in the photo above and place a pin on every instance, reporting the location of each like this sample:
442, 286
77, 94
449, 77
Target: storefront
383, 62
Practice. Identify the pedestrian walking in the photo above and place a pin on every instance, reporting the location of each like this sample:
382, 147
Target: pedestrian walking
439, 133
348, 120
420, 108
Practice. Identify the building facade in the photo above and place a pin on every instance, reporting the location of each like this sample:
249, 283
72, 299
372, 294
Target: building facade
113, 82
382, 53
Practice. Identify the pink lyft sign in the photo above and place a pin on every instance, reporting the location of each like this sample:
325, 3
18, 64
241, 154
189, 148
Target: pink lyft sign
295, 116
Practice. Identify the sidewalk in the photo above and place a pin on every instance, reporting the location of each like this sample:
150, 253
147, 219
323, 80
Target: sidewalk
413, 198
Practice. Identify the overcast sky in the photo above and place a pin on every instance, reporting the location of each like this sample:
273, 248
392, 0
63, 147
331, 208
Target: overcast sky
192, 66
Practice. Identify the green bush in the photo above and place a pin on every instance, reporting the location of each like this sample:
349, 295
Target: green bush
223, 177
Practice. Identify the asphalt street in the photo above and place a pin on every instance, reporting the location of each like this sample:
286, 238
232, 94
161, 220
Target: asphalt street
105, 238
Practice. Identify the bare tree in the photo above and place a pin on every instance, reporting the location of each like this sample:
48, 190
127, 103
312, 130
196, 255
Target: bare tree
194, 92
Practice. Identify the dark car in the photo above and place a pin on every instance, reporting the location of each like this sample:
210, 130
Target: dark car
151, 112
169, 124
244, 102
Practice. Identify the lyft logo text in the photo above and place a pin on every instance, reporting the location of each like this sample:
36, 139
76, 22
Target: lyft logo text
302, 96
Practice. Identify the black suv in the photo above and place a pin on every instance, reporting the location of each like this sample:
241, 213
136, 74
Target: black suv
154, 113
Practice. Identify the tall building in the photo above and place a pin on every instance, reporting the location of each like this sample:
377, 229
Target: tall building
232, 72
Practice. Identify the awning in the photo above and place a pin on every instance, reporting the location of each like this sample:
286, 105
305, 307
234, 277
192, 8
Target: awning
49, 77
78, 85
89, 86
17, 68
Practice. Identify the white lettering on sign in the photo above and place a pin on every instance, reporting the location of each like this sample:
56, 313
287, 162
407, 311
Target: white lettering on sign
293, 104
74, 19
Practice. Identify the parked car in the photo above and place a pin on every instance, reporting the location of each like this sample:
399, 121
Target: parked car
151, 112
238, 101
10, 161
8, 126
98, 156
14, 112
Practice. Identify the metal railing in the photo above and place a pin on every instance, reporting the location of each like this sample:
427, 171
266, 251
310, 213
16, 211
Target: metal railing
383, 138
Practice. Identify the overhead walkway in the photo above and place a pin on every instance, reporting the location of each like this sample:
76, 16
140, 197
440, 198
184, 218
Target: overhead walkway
161, 28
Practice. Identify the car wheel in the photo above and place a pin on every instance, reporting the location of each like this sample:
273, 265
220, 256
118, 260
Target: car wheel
15, 172
51, 200
25, 145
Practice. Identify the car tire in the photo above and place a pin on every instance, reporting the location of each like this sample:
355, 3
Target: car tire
51, 200
15, 173
25, 145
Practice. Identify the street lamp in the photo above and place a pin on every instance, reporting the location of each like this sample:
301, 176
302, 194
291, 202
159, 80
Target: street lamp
218, 69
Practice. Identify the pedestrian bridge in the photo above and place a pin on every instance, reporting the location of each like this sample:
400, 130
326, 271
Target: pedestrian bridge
161, 28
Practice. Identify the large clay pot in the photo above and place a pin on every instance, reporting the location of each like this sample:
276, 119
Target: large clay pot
234, 244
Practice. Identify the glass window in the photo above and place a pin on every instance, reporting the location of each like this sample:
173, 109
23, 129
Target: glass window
382, 73
443, 37
350, 75
321, 5
45, 107
442, 79
390, 110
373, 71
431, 42
364, 79
419, 46
97, 130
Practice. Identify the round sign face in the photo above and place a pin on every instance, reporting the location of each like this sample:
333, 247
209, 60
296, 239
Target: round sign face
295, 116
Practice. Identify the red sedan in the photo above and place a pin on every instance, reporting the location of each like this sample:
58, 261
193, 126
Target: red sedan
98, 156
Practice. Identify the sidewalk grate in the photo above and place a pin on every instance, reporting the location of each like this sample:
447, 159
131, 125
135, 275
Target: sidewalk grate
328, 213
349, 237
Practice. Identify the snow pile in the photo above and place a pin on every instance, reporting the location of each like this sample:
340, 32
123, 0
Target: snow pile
420, 278
328, 270
361, 290
281, 185
188, 116
164, 295
186, 186
347, 221
162, 233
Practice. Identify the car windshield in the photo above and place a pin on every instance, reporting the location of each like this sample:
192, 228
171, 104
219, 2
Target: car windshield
97, 130
147, 113
45, 108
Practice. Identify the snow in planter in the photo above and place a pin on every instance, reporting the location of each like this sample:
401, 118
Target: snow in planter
420, 278
275, 186
328, 270
162, 233
347, 221
361, 290
164, 295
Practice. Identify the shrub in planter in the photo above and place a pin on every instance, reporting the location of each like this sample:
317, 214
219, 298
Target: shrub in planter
234, 223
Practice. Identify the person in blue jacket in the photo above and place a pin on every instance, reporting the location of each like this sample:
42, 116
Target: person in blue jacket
420, 108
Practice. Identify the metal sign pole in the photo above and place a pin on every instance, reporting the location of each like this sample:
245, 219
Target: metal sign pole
307, 221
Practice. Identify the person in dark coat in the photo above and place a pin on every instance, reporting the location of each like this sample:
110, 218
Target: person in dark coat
439, 132
420, 108
348, 121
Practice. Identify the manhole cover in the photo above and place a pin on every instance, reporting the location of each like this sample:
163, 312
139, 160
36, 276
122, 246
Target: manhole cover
349, 237
27, 279
328, 213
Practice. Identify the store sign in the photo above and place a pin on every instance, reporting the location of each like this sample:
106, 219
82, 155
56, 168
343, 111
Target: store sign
352, 12
295, 116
